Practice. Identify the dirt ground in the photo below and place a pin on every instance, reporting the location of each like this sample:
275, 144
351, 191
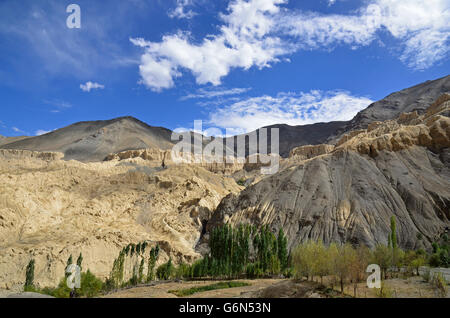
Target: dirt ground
412, 287
162, 290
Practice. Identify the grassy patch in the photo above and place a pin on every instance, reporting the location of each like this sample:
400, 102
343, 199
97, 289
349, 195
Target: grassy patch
194, 290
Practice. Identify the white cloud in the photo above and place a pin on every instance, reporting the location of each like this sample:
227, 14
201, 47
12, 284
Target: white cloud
60, 104
244, 41
40, 132
331, 2
208, 93
422, 27
288, 108
17, 130
180, 11
90, 86
257, 33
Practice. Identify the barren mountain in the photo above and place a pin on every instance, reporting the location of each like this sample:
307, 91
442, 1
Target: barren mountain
416, 98
349, 192
93, 141
7, 140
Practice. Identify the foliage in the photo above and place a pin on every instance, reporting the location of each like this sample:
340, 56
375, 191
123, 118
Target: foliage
80, 261
282, 249
440, 284
153, 258
29, 276
141, 271
384, 291
194, 290
165, 271
393, 233
382, 255
91, 286
441, 253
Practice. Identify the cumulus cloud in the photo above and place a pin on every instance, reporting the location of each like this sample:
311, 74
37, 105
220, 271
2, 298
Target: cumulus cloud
244, 41
90, 86
209, 93
258, 33
180, 11
289, 108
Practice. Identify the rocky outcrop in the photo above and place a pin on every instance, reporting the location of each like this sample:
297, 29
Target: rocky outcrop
308, 152
417, 98
50, 209
350, 194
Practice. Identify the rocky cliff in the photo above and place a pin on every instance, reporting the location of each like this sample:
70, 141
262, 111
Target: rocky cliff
349, 192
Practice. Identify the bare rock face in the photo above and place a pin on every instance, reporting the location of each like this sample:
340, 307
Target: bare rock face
351, 193
417, 98
51, 208
307, 152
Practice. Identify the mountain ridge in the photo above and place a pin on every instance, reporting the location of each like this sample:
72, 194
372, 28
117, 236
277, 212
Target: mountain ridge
142, 136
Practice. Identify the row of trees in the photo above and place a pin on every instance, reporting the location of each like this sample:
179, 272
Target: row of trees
347, 264
344, 264
116, 278
248, 251
245, 250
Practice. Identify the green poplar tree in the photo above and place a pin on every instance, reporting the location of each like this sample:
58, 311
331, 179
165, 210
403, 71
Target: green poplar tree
393, 233
80, 261
29, 278
282, 249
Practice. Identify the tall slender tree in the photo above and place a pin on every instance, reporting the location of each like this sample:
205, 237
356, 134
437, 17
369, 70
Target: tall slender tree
29, 276
393, 233
282, 249
80, 261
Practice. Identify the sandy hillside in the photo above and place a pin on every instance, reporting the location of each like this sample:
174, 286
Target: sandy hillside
50, 208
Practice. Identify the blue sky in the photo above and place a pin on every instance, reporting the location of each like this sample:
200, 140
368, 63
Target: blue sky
238, 64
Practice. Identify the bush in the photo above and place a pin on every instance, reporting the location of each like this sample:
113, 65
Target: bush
182, 271
194, 290
165, 271
440, 284
384, 291
253, 271
91, 286
426, 275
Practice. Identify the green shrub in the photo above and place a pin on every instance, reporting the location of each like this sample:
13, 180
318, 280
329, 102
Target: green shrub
165, 271
384, 291
440, 284
91, 286
426, 275
194, 290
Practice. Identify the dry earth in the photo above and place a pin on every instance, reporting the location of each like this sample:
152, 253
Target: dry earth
412, 287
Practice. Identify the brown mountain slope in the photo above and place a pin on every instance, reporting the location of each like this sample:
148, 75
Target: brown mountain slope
93, 141
416, 98
399, 168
